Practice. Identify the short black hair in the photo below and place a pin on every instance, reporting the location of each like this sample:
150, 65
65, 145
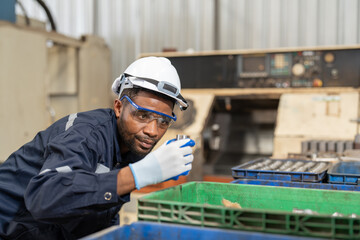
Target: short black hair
133, 92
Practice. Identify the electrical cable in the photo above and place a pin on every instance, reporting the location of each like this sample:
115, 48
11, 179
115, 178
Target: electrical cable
27, 20
48, 13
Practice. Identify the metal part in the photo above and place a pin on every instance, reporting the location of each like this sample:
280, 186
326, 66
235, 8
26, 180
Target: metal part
319, 168
181, 136
304, 211
340, 146
313, 146
336, 214
349, 145
289, 165
331, 146
322, 146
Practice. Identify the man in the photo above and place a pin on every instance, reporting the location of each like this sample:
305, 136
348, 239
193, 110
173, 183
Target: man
72, 178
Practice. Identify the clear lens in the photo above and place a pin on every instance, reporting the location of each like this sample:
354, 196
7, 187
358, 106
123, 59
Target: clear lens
146, 117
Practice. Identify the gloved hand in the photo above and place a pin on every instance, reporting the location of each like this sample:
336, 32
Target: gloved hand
169, 160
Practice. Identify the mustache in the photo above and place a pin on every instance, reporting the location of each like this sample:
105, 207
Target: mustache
150, 140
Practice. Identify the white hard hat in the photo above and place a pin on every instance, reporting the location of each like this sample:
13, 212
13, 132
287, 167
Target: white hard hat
153, 73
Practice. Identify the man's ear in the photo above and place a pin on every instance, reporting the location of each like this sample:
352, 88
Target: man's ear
118, 107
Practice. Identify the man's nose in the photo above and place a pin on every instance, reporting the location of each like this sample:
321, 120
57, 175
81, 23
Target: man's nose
151, 128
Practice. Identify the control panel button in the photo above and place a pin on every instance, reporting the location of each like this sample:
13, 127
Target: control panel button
329, 57
317, 82
298, 69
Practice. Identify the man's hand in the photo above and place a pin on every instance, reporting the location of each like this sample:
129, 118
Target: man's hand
168, 161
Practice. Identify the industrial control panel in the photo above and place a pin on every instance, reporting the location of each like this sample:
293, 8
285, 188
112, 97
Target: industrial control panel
333, 67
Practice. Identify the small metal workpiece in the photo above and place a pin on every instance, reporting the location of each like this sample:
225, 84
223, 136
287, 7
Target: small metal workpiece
295, 210
304, 211
336, 214
288, 166
295, 167
181, 136
275, 165
319, 167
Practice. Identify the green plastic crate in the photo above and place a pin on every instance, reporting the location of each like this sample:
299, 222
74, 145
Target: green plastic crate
264, 208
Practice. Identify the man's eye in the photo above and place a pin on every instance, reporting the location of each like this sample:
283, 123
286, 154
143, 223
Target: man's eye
142, 115
164, 122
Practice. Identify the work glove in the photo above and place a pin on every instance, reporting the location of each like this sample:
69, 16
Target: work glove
170, 160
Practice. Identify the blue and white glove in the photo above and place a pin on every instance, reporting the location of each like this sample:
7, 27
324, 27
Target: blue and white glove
170, 160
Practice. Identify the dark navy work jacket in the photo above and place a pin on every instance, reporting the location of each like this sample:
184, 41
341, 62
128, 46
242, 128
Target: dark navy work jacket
62, 184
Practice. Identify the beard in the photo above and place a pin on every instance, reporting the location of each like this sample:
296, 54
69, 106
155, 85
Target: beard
130, 140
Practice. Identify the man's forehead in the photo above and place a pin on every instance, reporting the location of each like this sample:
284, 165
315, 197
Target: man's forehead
149, 95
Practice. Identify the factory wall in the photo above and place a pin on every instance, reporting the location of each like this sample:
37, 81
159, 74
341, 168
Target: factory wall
131, 27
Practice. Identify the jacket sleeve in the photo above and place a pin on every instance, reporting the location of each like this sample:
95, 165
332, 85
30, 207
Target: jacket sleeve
68, 185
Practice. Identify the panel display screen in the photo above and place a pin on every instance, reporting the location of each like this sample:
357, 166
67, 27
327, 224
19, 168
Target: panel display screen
280, 64
253, 64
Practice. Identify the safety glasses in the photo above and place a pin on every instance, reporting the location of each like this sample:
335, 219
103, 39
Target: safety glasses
145, 115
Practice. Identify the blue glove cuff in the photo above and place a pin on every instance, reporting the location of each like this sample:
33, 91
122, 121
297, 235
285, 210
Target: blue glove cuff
135, 178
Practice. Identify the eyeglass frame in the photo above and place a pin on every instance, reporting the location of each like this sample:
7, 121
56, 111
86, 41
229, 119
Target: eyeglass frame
173, 117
